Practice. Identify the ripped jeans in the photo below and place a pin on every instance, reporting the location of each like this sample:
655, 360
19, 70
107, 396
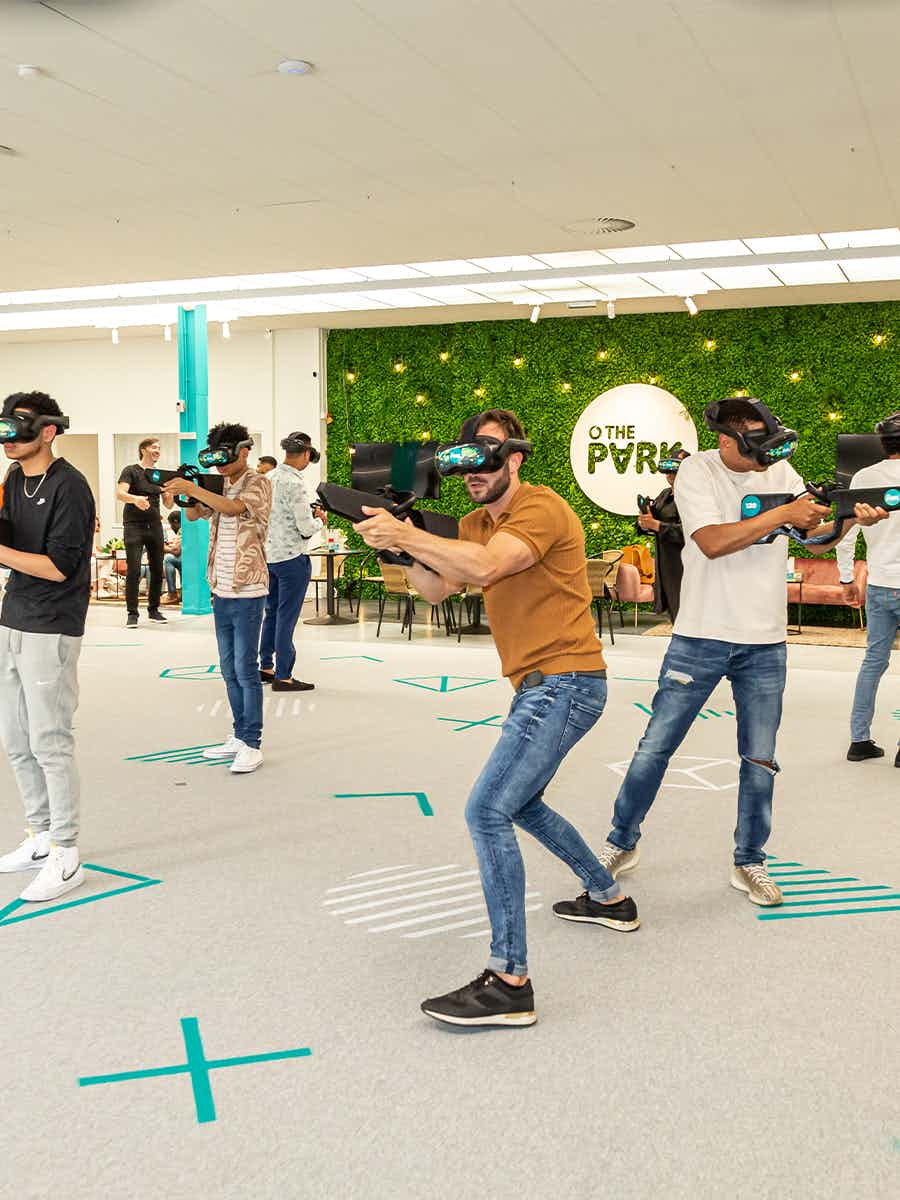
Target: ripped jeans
690, 671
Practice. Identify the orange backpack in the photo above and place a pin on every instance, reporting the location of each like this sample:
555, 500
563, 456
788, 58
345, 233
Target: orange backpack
640, 557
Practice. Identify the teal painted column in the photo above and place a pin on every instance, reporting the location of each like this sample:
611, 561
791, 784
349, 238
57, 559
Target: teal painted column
193, 391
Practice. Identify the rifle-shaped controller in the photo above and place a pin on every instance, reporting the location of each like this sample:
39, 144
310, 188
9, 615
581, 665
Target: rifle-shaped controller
348, 503
843, 499
212, 483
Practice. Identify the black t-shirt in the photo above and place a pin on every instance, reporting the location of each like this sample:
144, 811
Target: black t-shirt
56, 517
139, 485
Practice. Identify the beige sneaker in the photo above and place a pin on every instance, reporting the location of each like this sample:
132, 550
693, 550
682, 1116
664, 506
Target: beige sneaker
618, 861
754, 879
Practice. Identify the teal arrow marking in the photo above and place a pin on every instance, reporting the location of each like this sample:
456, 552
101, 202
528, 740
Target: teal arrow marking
198, 1066
462, 725
141, 881
335, 657
422, 798
201, 672
185, 755
444, 682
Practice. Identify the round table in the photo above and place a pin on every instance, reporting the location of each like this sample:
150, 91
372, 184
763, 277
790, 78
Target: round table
332, 617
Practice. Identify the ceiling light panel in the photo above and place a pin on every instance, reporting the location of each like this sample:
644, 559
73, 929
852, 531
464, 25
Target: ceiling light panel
177, 287
400, 298
575, 258
451, 266
626, 287
862, 237
870, 270
514, 262
391, 271
803, 274
726, 249
452, 295
637, 254
60, 295
785, 245
278, 279
332, 276
680, 283
742, 277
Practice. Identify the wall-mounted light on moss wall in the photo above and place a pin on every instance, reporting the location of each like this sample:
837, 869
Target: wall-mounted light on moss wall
351, 377
832, 416
878, 339
602, 355
709, 344
425, 435
399, 367
480, 392
595, 525
566, 386
444, 356
421, 399
653, 380
740, 393
795, 376
518, 361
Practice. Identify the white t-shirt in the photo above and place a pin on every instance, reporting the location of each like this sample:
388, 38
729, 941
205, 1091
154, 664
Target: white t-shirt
883, 539
739, 597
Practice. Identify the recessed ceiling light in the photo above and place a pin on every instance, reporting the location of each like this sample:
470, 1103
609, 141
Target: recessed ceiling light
295, 66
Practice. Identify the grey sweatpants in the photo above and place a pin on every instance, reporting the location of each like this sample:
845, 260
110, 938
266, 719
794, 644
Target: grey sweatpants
38, 698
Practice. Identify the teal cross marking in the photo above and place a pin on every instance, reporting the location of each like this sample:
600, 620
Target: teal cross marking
198, 1066
462, 725
203, 672
420, 797
7, 916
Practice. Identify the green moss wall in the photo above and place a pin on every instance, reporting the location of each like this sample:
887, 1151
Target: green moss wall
450, 371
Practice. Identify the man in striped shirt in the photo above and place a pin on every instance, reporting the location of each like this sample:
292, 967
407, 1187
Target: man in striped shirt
239, 581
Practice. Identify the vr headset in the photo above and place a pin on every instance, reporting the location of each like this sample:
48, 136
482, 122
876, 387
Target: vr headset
223, 454
297, 443
474, 453
890, 426
26, 426
775, 443
669, 466
212, 483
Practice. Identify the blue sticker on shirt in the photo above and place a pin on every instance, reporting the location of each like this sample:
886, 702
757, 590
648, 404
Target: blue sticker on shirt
750, 506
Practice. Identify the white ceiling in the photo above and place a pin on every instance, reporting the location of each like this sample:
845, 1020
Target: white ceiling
160, 142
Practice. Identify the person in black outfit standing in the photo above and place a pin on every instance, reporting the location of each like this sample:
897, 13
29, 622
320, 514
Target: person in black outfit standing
663, 521
143, 531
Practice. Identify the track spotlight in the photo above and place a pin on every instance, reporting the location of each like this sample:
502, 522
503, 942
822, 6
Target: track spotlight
611, 309
691, 306
115, 337
535, 314
167, 333
226, 330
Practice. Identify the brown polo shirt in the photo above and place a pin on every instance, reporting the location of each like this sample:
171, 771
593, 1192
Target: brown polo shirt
540, 618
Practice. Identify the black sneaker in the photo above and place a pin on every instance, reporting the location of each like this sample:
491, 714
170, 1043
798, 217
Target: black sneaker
132, 621
487, 1000
859, 751
291, 685
623, 916
897, 758
154, 614
266, 676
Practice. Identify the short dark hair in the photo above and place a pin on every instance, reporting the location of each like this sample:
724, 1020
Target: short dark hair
890, 444
505, 418
38, 402
175, 521
226, 434
145, 442
267, 458
738, 413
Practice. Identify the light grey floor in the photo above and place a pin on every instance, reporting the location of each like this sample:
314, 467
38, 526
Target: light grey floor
710, 1054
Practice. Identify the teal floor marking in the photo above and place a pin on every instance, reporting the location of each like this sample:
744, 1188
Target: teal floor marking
202, 672
421, 797
644, 708
198, 1066
821, 884
841, 900
776, 874
443, 682
834, 912
335, 657
185, 755
462, 724
839, 891
44, 910
634, 679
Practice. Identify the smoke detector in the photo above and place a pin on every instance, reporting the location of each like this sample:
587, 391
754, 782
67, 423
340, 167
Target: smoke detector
598, 226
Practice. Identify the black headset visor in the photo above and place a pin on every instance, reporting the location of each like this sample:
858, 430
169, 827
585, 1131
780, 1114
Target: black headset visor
478, 454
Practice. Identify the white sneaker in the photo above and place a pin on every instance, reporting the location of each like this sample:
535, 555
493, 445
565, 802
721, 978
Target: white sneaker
62, 873
228, 749
248, 758
30, 856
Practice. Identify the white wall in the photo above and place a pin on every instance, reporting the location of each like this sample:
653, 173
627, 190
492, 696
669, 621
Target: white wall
274, 384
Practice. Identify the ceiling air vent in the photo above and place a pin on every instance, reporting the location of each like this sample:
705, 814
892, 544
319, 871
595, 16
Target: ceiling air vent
597, 226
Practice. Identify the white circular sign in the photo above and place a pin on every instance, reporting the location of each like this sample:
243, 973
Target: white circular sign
619, 440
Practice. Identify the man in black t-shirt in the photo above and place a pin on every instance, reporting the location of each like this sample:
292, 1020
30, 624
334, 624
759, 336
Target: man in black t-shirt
46, 538
142, 531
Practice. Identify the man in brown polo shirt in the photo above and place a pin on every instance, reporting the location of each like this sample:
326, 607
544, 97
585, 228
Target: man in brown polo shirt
525, 547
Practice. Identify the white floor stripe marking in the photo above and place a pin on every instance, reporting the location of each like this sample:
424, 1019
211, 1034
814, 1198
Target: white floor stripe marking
351, 887
279, 712
380, 871
453, 887
450, 912
215, 708
200, 707
395, 912
296, 709
460, 924
266, 703
477, 933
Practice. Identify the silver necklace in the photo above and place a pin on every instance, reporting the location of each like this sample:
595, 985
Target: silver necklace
31, 495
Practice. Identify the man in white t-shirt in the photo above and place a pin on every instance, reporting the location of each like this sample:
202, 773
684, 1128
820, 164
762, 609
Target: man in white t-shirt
882, 593
732, 623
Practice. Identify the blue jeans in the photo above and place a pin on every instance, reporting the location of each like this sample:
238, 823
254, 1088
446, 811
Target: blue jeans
543, 725
690, 671
171, 564
288, 582
883, 616
237, 632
